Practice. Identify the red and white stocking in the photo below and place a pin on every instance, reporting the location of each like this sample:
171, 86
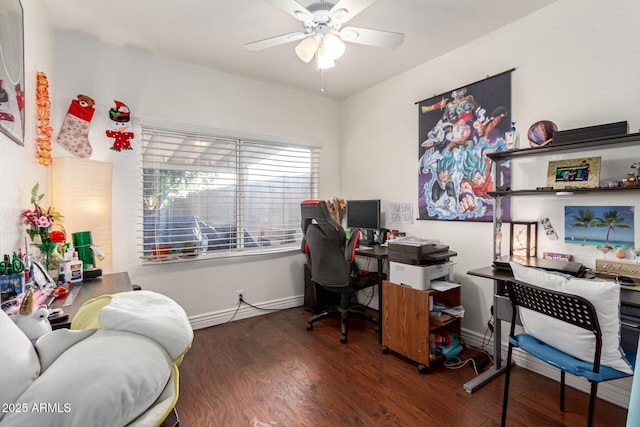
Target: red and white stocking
74, 133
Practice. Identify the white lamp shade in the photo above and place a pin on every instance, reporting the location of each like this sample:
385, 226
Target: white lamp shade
81, 191
325, 60
333, 46
307, 48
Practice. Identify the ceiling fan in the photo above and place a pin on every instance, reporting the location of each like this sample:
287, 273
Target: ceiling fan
323, 34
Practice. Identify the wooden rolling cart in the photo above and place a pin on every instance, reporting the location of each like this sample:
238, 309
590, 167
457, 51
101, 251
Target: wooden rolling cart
407, 324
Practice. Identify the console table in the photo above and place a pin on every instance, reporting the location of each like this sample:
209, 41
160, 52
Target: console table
107, 284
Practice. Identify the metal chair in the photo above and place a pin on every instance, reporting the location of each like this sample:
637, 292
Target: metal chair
569, 308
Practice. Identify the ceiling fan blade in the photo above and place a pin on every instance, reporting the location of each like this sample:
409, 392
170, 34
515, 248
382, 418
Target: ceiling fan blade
275, 41
369, 37
293, 8
346, 9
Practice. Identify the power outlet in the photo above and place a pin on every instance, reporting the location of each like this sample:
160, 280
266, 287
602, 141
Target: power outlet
240, 294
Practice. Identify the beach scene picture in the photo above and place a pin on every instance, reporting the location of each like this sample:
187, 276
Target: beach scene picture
608, 228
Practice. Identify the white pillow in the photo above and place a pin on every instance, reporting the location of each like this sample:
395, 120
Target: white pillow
18, 361
578, 342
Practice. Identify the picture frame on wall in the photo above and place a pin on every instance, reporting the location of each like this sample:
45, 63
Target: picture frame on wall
574, 173
12, 70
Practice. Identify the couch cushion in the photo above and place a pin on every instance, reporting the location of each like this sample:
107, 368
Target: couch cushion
19, 363
578, 342
108, 379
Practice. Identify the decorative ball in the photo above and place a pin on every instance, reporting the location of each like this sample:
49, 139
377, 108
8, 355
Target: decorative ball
541, 133
620, 254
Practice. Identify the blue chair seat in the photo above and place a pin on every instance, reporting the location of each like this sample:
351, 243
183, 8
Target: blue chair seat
566, 362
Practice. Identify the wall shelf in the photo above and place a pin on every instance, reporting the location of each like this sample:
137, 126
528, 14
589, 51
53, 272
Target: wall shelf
500, 157
588, 144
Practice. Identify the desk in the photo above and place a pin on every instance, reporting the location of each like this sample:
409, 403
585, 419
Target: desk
107, 284
502, 312
379, 253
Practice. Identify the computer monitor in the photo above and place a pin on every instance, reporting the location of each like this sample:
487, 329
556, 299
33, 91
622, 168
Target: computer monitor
365, 215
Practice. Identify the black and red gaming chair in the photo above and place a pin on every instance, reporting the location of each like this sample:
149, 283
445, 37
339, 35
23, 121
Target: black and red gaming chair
332, 262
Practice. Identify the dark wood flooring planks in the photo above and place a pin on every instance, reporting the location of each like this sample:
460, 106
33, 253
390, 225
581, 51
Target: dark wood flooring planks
270, 371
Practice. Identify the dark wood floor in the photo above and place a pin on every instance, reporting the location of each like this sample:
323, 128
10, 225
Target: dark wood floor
270, 371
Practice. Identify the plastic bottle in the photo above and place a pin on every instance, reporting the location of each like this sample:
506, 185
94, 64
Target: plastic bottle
512, 137
75, 269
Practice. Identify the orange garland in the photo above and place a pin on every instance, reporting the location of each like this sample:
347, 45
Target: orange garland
44, 113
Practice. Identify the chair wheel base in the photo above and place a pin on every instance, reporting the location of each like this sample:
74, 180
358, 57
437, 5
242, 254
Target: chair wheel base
385, 349
343, 339
309, 326
422, 369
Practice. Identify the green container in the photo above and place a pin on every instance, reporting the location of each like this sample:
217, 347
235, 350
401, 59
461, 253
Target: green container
82, 242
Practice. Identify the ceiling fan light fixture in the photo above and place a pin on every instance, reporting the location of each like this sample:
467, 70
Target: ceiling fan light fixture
333, 46
325, 60
306, 49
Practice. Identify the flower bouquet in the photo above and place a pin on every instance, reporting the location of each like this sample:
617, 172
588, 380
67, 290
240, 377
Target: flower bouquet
40, 223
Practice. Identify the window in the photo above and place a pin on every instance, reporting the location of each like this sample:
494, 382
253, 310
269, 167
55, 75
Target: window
207, 194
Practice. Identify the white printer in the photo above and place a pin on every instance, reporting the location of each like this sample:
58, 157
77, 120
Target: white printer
420, 276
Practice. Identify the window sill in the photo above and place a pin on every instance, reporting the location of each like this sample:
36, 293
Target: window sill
221, 254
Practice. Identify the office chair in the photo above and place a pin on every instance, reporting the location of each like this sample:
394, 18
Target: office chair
332, 262
569, 308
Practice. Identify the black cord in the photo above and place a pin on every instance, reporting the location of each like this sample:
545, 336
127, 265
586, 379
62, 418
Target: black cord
236, 312
242, 301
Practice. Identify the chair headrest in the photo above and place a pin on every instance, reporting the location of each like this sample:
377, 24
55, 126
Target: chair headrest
317, 212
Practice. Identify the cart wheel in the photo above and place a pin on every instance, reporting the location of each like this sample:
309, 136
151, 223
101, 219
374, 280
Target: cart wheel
422, 369
385, 349
309, 326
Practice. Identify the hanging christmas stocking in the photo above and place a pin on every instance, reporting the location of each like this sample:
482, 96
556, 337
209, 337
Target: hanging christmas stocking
120, 127
74, 133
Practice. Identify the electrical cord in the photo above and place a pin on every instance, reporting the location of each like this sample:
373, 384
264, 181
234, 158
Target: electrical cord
460, 362
235, 312
242, 301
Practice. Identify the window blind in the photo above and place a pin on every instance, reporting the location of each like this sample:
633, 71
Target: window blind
212, 195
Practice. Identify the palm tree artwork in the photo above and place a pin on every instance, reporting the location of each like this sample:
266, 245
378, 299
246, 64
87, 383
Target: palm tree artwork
584, 218
612, 220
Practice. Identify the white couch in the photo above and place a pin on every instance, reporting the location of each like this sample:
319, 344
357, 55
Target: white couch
117, 366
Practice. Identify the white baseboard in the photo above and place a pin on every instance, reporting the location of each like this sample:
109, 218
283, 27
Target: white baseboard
243, 312
616, 391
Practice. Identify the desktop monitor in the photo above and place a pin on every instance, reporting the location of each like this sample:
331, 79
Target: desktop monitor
365, 215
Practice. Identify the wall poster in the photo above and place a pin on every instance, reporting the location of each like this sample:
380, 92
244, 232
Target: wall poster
455, 132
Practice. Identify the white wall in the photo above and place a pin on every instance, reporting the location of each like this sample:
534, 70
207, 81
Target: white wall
18, 165
570, 67
160, 89
575, 64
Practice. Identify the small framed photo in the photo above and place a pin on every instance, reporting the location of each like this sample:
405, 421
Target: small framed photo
574, 173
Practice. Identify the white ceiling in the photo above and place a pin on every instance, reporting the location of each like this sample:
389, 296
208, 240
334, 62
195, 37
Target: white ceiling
212, 33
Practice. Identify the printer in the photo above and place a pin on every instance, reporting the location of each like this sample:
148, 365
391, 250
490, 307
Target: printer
417, 262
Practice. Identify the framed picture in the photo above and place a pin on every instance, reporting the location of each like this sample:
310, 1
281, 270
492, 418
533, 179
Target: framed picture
12, 70
574, 173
